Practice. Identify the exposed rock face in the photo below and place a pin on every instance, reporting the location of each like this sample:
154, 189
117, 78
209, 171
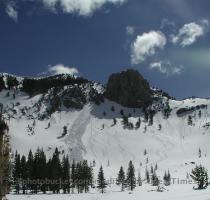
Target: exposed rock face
74, 98
129, 89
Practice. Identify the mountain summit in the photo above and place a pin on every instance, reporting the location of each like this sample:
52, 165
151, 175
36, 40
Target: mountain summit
129, 89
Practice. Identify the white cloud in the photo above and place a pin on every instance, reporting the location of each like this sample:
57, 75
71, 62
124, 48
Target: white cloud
189, 33
81, 7
166, 67
146, 45
130, 30
11, 10
61, 69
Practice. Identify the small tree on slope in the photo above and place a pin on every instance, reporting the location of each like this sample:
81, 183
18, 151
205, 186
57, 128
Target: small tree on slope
101, 180
131, 179
167, 179
121, 179
154, 179
200, 176
147, 176
139, 179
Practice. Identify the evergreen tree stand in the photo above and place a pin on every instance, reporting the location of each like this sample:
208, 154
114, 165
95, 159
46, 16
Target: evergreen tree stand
4, 159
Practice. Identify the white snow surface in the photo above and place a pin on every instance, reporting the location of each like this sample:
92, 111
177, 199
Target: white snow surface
91, 136
176, 192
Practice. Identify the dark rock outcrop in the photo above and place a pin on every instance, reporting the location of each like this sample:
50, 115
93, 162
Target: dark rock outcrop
74, 98
129, 89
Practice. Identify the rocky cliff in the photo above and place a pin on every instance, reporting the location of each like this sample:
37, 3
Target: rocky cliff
129, 89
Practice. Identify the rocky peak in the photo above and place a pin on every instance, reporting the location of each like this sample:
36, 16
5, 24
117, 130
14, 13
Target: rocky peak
129, 89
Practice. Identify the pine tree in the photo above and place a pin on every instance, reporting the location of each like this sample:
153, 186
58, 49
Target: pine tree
125, 121
121, 179
146, 115
11, 82
23, 173
130, 126
91, 177
147, 176
2, 84
56, 171
43, 172
159, 127
131, 179
151, 116
145, 129
112, 108
114, 121
101, 180
36, 171
73, 176
200, 176
156, 167
103, 126
49, 174
199, 153
154, 179
65, 131
190, 122
85, 176
29, 169
139, 179
167, 178
138, 123
199, 114
152, 170
122, 112
16, 173
167, 110
65, 174
145, 152
78, 173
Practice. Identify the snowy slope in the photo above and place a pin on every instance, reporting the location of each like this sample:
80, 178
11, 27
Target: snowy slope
92, 136
180, 192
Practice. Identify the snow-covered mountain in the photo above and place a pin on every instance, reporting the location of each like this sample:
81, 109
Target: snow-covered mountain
76, 117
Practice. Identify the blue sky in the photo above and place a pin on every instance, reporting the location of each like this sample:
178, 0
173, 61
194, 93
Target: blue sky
168, 41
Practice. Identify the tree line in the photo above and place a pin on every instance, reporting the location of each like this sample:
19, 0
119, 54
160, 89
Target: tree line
42, 85
36, 174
